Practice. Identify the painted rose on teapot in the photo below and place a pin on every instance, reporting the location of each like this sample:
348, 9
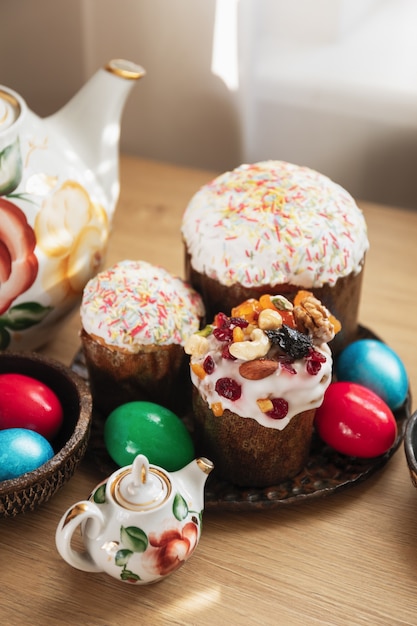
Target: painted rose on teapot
58, 191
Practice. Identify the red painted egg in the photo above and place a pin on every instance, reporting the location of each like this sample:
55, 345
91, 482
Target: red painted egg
355, 421
28, 403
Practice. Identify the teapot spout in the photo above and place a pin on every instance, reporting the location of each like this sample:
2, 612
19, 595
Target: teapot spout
90, 122
192, 479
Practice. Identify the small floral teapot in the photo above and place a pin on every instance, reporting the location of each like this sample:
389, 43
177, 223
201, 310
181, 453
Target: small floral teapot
140, 525
59, 184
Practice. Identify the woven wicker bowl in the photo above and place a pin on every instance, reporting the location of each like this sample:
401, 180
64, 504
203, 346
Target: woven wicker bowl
27, 492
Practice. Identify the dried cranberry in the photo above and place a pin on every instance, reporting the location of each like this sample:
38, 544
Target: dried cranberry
314, 361
228, 388
221, 320
317, 356
226, 353
208, 364
313, 367
280, 409
239, 321
223, 334
287, 364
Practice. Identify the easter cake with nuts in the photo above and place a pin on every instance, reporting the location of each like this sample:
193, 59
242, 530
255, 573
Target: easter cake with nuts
258, 377
276, 227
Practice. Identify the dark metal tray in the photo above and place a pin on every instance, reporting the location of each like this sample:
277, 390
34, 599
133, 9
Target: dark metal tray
326, 471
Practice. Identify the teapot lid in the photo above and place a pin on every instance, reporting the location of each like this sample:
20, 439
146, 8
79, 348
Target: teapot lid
10, 108
141, 487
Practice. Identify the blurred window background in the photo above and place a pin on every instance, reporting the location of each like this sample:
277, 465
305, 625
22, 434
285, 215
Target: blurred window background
331, 84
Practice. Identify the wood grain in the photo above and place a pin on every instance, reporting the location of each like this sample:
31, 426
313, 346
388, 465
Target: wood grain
349, 559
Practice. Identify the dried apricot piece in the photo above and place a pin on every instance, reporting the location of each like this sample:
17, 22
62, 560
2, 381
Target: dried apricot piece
248, 310
300, 295
265, 302
337, 326
198, 370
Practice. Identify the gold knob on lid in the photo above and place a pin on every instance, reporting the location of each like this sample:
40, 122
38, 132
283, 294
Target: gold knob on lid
141, 487
125, 69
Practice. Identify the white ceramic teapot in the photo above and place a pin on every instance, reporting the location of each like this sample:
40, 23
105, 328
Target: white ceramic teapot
139, 525
59, 184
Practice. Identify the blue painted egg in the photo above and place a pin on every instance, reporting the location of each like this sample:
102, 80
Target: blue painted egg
374, 365
22, 450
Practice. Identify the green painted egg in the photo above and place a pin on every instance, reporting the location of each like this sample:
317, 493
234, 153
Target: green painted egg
150, 429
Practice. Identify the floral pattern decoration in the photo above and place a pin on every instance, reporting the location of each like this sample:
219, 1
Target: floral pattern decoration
69, 230
162, 553
72, 232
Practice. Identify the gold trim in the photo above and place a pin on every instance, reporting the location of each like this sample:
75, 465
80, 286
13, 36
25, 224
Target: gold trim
144, 506
76, 510
205, 464
14, 103
125, 69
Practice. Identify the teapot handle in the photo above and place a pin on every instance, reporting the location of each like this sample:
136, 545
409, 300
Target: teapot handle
76, 515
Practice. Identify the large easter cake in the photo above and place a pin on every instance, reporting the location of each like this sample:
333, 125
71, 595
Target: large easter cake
276, 227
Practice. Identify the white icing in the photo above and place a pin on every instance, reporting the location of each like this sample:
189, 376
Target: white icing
272, 223
135, 303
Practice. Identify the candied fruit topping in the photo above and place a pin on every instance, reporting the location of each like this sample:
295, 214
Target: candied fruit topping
268, 337
217, 409
265, 404
279, 410
228, 388
288, 318
301, 295
238, 334
337, 326
198, 370
248, 310
281, 305
265, 302
226, 328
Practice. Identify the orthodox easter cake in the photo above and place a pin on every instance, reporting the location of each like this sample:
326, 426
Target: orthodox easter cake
258, 376
135, 320
276, 227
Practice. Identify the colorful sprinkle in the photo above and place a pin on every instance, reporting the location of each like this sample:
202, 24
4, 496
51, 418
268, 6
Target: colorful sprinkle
135, 303
280, 223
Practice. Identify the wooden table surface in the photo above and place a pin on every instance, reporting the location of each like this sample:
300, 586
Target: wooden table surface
347, 559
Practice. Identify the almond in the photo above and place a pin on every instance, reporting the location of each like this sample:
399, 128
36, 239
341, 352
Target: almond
257, 369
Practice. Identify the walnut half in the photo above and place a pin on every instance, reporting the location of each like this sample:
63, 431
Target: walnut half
312, 318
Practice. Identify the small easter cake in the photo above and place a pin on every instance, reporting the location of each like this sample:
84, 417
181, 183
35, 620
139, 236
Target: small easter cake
276, 227
135, 320
258, 377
